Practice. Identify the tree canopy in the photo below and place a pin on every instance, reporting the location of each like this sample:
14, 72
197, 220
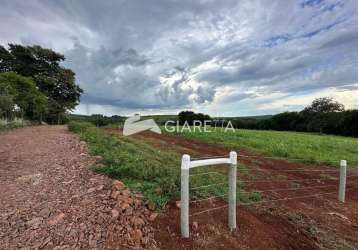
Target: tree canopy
323, 115
56, 82
324, 105
21, 92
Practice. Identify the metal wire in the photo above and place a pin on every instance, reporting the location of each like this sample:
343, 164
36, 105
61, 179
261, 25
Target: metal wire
208, 210
210, 157
269, 201
352, 175
289, 159
210, 198
292, 198
295, 170
254, 181
215, 184
288, 189
324, 179
269, 190
270, 157
248, 181
214, 172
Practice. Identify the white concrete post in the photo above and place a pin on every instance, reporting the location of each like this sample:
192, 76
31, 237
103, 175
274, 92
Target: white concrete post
342, 181
232, 190
184, 196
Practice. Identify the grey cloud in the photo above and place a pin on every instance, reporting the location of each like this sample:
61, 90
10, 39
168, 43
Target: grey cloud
170, 54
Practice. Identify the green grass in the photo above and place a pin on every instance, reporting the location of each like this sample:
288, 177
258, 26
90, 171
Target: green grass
16, 123
147, 169
306, 147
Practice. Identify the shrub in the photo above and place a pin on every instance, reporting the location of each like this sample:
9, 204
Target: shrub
79, 127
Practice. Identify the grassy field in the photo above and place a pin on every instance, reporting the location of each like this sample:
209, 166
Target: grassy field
152, 171
306, 147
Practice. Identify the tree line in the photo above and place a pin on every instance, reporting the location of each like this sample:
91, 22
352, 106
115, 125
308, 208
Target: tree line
34, 86
324, 115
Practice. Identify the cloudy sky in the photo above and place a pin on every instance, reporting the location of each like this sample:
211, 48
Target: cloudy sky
227, 57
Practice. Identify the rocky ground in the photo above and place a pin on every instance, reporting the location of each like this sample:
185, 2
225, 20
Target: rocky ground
51, 199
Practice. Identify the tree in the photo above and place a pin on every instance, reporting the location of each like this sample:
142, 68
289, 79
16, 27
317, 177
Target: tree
324, 105
190, 117
24, 94
43, 65
320, 114
186, 116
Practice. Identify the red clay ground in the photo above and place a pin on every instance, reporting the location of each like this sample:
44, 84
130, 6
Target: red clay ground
51, 199
319, 222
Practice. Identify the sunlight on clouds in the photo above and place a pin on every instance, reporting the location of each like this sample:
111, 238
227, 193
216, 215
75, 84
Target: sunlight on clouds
285, 103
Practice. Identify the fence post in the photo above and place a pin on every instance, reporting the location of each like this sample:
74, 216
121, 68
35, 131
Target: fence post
184, 196
342, 181
232, 190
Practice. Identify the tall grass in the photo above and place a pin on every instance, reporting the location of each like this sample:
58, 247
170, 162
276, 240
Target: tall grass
305, 147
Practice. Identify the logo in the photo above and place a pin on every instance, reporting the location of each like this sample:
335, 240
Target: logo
134, 125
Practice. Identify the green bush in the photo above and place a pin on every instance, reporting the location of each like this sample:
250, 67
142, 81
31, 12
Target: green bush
79, 127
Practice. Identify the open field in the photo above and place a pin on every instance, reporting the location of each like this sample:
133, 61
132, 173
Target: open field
297, 207
304, 147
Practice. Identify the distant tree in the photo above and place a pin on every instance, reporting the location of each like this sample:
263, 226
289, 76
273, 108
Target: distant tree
324, 105
24, 94
320, 116
186, 116
190, 117
43, 65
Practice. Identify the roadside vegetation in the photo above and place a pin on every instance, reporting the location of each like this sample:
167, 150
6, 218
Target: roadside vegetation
152, 171
10, 124
304, 147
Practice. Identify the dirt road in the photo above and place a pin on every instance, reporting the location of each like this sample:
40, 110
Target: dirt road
50, 199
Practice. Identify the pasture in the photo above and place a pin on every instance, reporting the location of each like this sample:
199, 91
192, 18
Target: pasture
304, 147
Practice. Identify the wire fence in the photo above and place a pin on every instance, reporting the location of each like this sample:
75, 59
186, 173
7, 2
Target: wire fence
332, 181
271, 201
302, 160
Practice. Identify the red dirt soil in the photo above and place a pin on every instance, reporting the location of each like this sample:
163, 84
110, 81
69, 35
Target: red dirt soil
313, 222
